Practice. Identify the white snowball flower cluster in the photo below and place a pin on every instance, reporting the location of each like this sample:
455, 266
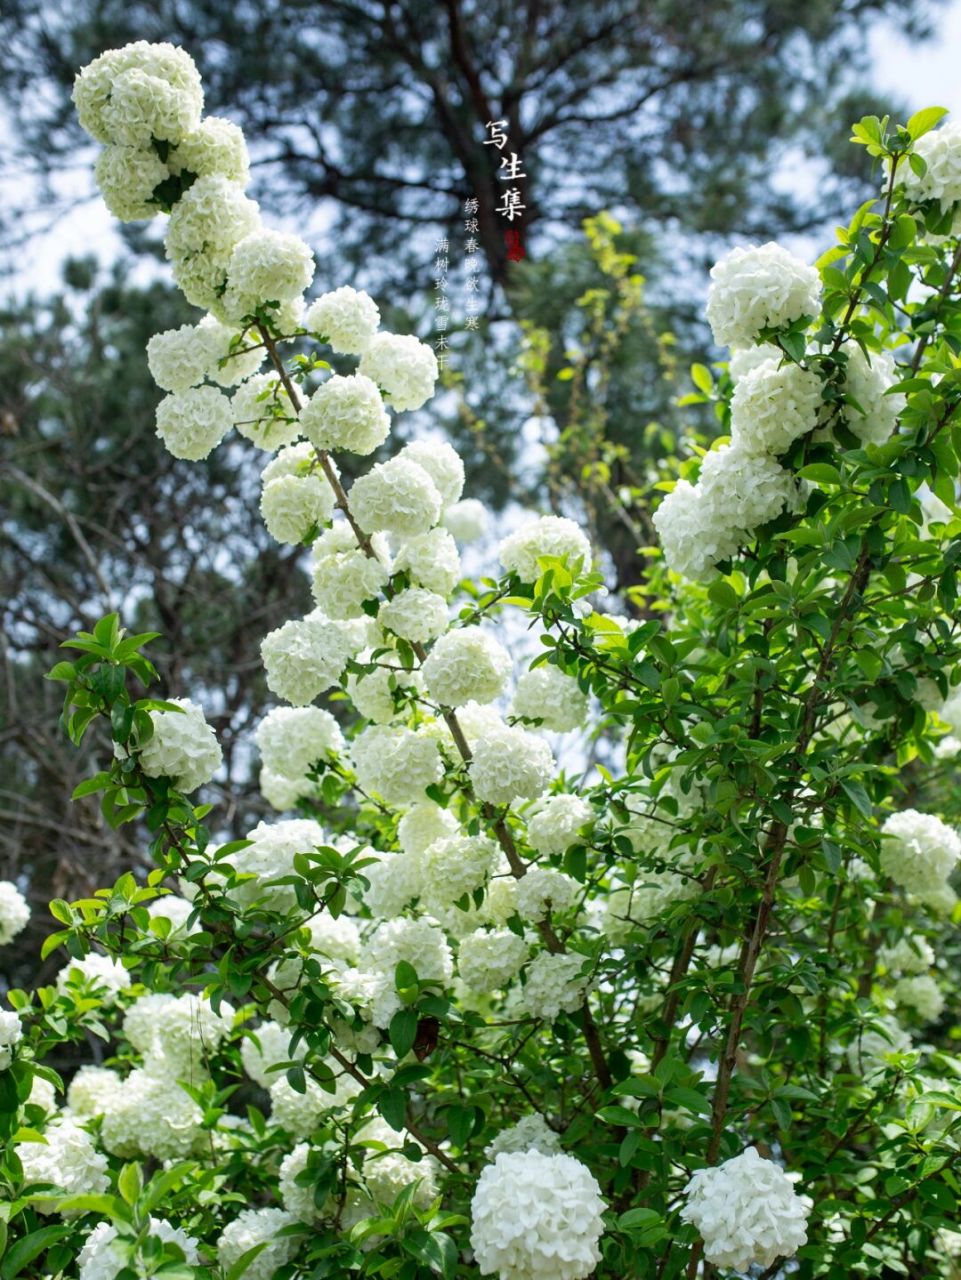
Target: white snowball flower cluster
875, 415
176, 911
292, 739
297, 1200
910, 954
102, 1258
536, 1217
394, 882
420, 943
270, 857
510, 764
761, 287
182, 1030
555, 984
773, 405
11, 1033
423, 824
192, 423
296, 496
300, 1113
231, 355
205, 224
404, 368
531, 1133
93, 1091
386, 1173
373, 692
152, 1116
397, 497
250, 1228
183, 747
216, 147
346, 412
430, 560
543, 891
176, 358
396, 763
415, 614
747, 1212
737, 493
467, 520
546, 695
267, 1047
940, 149
68, 1160
554, 824
14, 912
442, 463
466, 665
127, 178
553, 536
921, 994
262, 412
265, 266
137, 93
101, 973
346, 318
919, 851
456, 865
344, 576
307, 656
488, 960
742, 362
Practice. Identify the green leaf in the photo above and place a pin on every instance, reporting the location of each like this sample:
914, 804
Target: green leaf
130, 1183
723, 594
403, 1031
924, 120
90, 785
243, 1262
393, 1107
701, 377
820, 473
24, 1251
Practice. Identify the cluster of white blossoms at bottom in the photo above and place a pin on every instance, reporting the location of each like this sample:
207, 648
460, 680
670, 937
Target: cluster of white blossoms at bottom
68, 1160
536, 1216
252, 1227
747, 1212
103, 1257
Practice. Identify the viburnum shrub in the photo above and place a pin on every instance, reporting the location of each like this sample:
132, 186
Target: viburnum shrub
684, 1006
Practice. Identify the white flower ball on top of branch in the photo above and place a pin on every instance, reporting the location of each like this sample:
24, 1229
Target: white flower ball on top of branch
292, 739
14, 912
940, 149
345, 318
747, 1212
543, 891
344, 577
553, 536
466, 665
547, 696
397, 497
396, 763
510, 764
394, 881
184, 1029
270, 857
307, 656
192, 423
217, 147
207, 221
296, 496
921, 994
404, 368
761, 287
421, 944
346, 412
535, 1216
424, 823
262, 412
531, 1133
875, 415
430, 560
143, 107
127, 178
95, 84
93, 1091
415, 614
177, 358
183, 747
